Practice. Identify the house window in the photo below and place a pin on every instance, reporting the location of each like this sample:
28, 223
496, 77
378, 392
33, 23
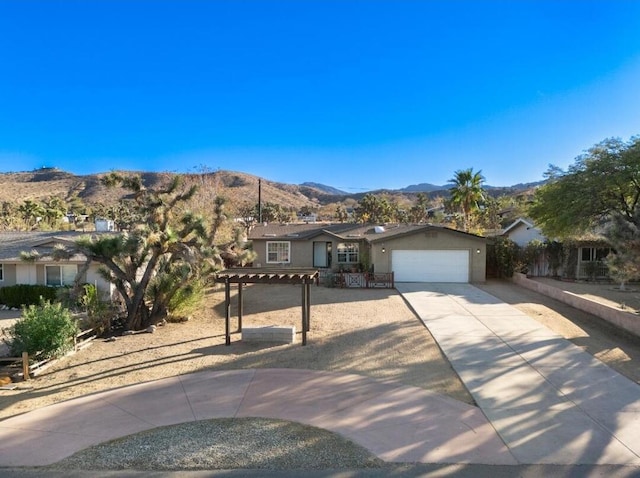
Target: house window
348, 253
1, 272
60, 275
592, 254
278, 252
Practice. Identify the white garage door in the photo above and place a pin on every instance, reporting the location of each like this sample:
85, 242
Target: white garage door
430, 266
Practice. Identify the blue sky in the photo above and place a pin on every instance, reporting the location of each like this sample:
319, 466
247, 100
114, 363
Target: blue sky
358, 95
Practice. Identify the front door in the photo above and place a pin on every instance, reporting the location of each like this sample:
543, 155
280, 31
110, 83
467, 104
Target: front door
322, 254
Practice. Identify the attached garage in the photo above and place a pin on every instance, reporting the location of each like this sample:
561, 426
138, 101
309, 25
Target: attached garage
430, 265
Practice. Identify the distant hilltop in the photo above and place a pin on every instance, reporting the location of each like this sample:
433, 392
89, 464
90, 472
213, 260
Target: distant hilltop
239, 187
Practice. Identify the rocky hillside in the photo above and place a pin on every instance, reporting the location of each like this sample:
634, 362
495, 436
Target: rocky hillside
238, 187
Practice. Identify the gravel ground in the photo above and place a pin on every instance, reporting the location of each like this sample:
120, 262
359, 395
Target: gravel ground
241, 443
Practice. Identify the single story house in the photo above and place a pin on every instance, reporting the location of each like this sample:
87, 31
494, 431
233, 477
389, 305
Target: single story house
523, 231
583, 257
45, 270
413, 252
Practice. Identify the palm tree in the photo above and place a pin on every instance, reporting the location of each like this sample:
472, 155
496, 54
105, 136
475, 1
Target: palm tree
467, 193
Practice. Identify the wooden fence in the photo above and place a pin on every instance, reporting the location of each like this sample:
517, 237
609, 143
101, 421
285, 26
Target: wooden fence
80, 341
25, 363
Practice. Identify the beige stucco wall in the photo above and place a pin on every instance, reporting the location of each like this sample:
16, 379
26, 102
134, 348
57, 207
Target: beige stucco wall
105, 288
434, 240
35, 274
8, 275
301, 252
40, 274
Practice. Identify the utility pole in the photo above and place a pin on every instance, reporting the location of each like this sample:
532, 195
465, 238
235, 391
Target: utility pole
260, 201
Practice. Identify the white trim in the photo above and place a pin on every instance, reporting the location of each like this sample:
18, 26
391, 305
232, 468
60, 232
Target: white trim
517, 222
64, 276
431, 265
349, 252
288, 252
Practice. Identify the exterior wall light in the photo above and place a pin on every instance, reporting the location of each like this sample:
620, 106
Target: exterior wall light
384, 249
478, 251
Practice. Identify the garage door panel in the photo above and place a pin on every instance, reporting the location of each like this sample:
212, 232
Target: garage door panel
430, 266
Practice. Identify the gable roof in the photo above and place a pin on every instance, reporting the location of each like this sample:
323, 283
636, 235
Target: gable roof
518, 223
292, 232
375, 234
14, 243
346, 232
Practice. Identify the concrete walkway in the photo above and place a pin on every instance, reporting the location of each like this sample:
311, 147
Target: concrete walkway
397, 423
550, 402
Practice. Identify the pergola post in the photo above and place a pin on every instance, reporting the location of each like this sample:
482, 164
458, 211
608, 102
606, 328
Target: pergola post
308, 287
227, 303
304, 314
239, 306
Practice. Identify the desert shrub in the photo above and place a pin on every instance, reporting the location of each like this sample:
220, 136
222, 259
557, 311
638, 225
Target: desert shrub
99, 313
24, 295
186, 300
503, 257
46, 330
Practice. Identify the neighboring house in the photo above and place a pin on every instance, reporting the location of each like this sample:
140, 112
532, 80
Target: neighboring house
414, 253
44, 270
522, 232
583, 258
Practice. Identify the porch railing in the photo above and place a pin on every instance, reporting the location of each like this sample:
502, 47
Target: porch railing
365, 280
592, 270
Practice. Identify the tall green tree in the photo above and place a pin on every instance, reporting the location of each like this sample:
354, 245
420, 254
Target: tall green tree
418, 212
373, 209
603, 182
170, 253
466, 194
54, 209
624, 237
341, 213
31, 212
9, 216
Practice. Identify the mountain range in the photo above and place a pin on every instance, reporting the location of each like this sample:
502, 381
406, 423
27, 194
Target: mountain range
240, 187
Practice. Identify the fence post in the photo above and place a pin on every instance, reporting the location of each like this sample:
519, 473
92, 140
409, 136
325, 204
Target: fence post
25, 365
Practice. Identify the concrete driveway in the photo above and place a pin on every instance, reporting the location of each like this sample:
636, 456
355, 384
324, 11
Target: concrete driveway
550, 402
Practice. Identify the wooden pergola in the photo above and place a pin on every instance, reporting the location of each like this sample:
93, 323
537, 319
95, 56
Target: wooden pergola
305, 277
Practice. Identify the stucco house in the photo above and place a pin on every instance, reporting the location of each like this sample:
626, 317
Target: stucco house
413, 252
45, 270
583, 257
523, 231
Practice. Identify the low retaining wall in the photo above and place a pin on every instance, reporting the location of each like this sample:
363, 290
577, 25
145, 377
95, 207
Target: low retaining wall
269, 334
625, 320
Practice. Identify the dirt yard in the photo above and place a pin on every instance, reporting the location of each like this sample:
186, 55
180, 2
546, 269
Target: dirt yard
368, 332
